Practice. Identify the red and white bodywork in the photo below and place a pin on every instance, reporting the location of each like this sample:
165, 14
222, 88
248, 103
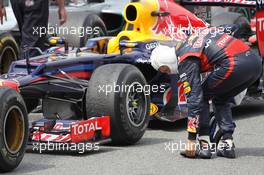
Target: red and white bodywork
70, 131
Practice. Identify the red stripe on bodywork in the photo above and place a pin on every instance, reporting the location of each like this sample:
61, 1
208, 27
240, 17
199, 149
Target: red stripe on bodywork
9, 83
83, 74
68, 138
45, 138
57, 138
76, 74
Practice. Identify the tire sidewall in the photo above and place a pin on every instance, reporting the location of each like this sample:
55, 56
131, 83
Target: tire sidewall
9, 99
93, 21
112, 102
127, 78
7, 41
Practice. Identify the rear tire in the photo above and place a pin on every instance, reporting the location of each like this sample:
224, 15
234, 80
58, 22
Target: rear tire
8, 52
129, 110
95, 22
13, 129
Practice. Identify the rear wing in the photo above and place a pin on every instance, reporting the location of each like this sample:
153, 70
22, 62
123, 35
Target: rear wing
260, 26
240, 3
258, 4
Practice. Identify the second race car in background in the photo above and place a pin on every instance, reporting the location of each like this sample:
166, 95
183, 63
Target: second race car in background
104, 15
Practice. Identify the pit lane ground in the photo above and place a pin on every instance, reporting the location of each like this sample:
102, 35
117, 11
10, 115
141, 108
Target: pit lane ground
152, 156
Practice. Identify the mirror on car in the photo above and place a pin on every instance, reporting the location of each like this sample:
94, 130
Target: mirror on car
159, 14
98, 1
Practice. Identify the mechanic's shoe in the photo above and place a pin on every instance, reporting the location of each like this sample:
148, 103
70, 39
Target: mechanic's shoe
204, 149
226, 148
190, 151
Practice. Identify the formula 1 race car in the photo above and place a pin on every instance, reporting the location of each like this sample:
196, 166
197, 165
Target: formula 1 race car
104, 91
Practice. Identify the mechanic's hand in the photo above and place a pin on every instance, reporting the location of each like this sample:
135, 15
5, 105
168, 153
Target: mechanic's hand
62, 15
2, 15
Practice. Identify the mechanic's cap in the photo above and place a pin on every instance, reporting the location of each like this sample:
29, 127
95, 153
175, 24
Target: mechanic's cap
164, 56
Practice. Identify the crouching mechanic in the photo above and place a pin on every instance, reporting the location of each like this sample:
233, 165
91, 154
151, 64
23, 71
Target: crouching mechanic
233, 67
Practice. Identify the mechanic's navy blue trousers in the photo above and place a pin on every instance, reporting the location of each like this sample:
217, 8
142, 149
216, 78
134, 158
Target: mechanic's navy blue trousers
32, 18
230, 77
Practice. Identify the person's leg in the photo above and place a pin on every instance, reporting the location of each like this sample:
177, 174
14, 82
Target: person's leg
245, 72
35, 18
204, 129
18, 12
204, 119
223, 115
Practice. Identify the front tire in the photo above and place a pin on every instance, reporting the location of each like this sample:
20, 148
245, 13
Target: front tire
13, 129
128, 109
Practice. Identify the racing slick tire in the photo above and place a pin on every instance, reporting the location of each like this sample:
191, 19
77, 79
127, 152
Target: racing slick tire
8, 52
128, 109
13, 129
95, 22
229, 18
79, 31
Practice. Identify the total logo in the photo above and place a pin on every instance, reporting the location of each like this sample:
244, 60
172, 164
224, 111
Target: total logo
79, 129
260, 24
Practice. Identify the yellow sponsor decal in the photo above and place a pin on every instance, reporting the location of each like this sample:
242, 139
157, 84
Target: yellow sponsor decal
153, 109
187, 90
192, 125
53, 41
186, 84
191, 130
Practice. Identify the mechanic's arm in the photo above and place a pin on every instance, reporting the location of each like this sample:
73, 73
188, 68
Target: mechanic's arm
2, 12
189, 71
62, 11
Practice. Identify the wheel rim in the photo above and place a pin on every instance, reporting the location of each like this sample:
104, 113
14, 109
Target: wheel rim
7, 57
14, 129
136, 104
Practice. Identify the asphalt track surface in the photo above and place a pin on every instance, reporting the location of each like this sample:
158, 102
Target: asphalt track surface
151, 156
